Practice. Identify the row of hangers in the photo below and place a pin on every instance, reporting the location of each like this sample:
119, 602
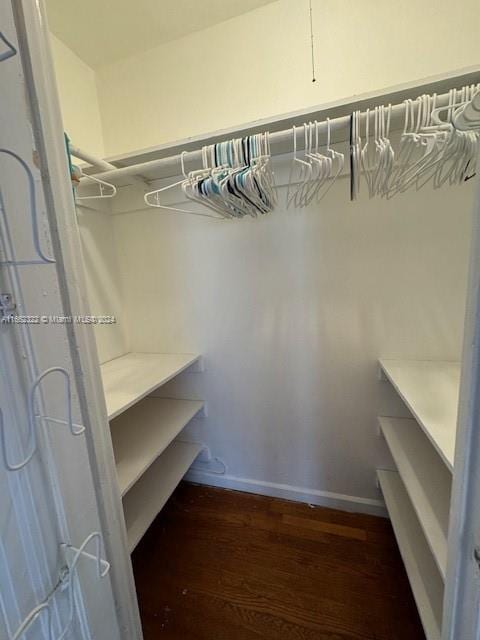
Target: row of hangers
431, 148
312, 176
237, 179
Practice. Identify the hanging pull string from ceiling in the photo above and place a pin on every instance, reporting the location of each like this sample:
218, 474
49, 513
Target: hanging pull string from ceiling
431, 149
312, 42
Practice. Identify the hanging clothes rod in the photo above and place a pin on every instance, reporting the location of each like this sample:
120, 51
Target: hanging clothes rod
281, 142
97, 163
100, 164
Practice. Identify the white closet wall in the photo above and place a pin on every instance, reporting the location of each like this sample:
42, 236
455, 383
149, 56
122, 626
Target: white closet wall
76, 83
103, 276
192, 85
292, 313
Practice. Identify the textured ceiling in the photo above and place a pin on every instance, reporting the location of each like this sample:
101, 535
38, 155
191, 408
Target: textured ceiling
103, 31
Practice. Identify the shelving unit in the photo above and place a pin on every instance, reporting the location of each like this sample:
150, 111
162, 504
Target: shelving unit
425, 580
426, 480
148, 496
418, 492
133, 376
430, 391
141, 434
149, 462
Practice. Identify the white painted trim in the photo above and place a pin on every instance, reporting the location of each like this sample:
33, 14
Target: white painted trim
290, 492
462, 588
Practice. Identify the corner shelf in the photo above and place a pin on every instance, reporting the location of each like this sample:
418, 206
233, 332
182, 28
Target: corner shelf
425, 580
131, 377
430, 390
426, 480
142, 433
150, 493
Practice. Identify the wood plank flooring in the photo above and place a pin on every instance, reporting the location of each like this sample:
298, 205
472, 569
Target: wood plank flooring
225, 565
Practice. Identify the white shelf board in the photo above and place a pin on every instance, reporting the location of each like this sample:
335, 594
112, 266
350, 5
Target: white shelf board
131, 377
425, 580
430, 390
427, 481
148, 496
391, 94
141, 434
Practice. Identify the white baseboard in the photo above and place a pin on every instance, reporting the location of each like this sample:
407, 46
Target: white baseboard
288, 492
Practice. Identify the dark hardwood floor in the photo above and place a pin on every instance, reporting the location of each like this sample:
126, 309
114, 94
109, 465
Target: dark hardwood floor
224, 565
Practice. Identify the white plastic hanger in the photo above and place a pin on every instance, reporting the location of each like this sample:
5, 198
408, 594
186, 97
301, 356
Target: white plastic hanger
299, 170
386, 153
335, 167
355, 155
106, 190
321, 167
152, 198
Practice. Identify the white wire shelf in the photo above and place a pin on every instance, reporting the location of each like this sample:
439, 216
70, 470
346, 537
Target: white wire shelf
427, 481
141, 434
425, 580
148, 496
430, 390
133, 376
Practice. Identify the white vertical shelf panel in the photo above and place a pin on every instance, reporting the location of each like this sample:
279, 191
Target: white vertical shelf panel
430, 390
131, 377
143, 432
148, 496
425, 579
427, 481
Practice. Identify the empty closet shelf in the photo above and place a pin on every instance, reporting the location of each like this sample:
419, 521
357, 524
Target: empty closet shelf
131, 377
148, 496
430, 390
427, 481
140, 435
425, 580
